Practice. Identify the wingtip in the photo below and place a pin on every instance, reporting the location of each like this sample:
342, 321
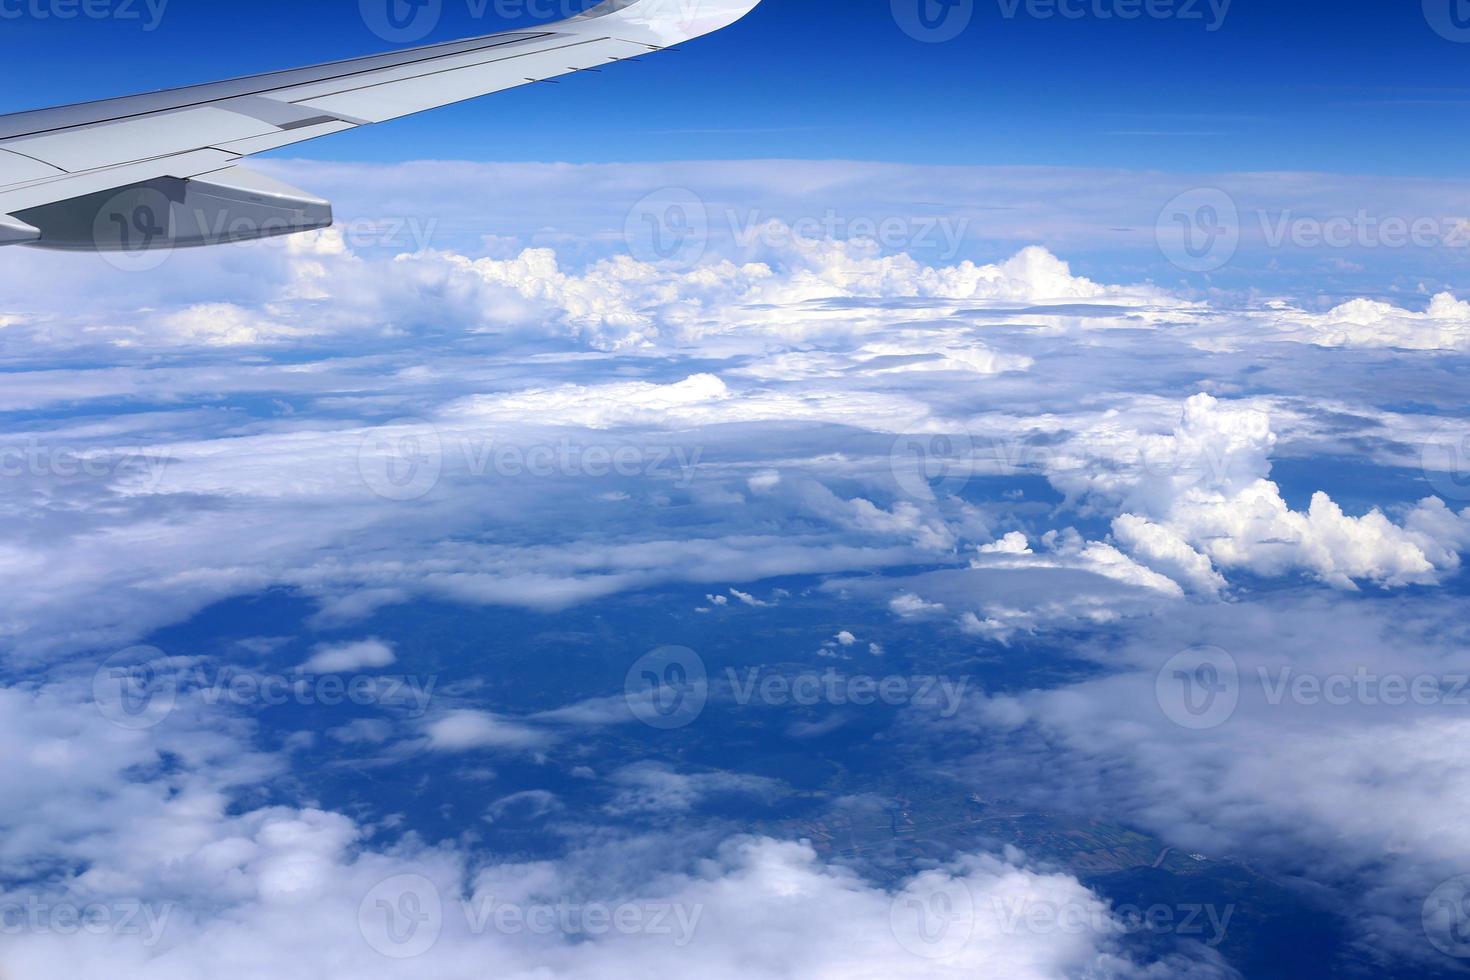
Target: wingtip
665, 22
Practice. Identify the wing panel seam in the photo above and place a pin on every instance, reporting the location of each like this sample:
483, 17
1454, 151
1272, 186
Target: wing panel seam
445, 71
262, 91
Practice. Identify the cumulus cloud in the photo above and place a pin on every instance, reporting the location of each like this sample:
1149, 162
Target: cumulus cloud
466, 731
1364, 323
911, 606
343, 657
1014, 543
1200, 498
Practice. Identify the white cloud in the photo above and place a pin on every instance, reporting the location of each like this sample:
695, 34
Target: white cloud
784, 377
1364, 323
219, 325
1203, 492
1014, 543
1111, 746
650, 788
1166, 551
466, 730
911, 606
362, 731
342, 658
290, 891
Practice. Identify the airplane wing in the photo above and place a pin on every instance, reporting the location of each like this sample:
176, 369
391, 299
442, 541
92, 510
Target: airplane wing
160, 170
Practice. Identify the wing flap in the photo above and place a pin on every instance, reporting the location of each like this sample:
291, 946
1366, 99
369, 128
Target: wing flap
130, 140
36, 193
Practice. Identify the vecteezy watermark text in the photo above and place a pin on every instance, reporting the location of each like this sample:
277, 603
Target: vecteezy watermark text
148, 13
938, 21
1211, 14
1207, 923
829, 687
35, 915
141, 687
404, 916
670, 687
1201, 230
406, 21
35, 458
673, 226
1202, 688
405, 459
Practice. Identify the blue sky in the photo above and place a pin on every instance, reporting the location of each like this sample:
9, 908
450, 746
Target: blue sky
1314, 85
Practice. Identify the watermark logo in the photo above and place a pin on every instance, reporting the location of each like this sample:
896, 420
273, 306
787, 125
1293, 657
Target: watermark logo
402, 917
1208, 924
926, 466
1211, 13
1449, 18
1199, 231
937, 21
1363, 230
1447, 917
406, 21
401, 21
133, 229
933, 21
667, 688
674, 922
942, 236
141, 687
403, 460
668, 227
934, 918
1363, 687
1199, 689
406, 459
1446, 459
483, 457
136, 688
943, 695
